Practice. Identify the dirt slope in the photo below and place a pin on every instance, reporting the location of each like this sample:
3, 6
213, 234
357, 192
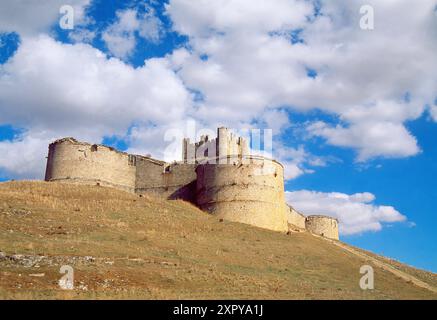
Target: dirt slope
124, 246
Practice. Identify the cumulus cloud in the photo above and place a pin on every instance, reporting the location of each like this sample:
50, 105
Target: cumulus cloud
371, 139
374, 130
356, 213
32, 17
298, 161
244, 60
75, 90
246, 57
81, 34
120, 37
433, 111
24, 156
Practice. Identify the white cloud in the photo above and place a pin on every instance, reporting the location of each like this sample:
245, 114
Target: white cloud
81, 34
32, 17
120, 37
433, 111
374, 130
201, 18
371, 139
356, 213
151, 27
152, 140
75, 90
24, 157
241, 59
296, 160
362, 76
276, 120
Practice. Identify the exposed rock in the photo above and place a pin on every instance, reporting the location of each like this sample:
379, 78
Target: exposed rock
35, 261
16, 212
26, 260
89, 259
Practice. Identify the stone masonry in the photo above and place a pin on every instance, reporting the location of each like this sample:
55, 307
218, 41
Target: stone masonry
218, 175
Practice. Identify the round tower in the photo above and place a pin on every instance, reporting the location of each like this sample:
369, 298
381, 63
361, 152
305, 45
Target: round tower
323, 226
77, 162
249, 191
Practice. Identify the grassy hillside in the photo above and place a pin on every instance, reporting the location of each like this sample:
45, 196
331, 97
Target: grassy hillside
125, 246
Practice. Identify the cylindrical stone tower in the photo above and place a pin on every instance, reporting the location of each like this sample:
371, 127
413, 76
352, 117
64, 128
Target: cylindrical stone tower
251, 192
323, 226
77, 162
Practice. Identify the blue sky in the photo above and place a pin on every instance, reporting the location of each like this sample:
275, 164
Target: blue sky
407, 184
354, 120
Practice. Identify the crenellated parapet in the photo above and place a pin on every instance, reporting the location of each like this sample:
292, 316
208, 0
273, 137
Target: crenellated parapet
225, 145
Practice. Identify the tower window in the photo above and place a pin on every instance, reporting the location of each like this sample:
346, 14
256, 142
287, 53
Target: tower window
132, 160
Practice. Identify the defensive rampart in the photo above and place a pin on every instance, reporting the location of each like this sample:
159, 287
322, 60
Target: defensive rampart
237, 187
77, 162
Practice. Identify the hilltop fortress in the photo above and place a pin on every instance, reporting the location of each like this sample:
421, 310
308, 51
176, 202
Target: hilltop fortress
219, 175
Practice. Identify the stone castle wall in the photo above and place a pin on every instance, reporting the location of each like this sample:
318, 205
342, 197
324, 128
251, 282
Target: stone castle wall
76, 162
249, 193
173, 181
322, 226
295, 218
83, 163
237, 187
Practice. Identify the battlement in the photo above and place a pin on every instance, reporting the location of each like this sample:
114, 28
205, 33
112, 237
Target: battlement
225, 145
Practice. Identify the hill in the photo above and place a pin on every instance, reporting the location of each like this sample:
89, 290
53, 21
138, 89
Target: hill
125, 246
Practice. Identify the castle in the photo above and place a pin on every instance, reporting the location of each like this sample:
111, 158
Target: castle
219, 175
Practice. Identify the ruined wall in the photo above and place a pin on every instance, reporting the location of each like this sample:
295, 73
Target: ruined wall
250, 193
173, 181
246, 189
77, 162
323, 226
149, 175
295, 218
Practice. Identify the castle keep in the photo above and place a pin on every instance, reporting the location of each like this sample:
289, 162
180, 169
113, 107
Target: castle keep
219, 175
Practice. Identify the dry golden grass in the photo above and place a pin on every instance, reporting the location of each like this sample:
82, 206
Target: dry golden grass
148, 248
